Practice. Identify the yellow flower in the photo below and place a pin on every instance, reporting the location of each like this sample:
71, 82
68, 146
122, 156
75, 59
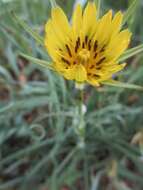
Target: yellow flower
87, 50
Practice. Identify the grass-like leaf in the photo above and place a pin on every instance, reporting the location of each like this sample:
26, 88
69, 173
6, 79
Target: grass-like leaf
123, 85
53, 3
131, 52
37, 61
130, 11
28, 29
98, 5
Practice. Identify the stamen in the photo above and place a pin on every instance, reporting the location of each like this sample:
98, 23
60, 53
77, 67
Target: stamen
76, 47
89, 45
74, 63
77, 44
103, 48
69, 51
97, 76
78, 40
95, 55
100, 61
98, 68
65, 60
83, 45
86, 39
95, 46
92, 66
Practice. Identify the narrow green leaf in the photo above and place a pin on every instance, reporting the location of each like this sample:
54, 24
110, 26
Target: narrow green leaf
38, 61
53, 3
122, 85
131, 52
130, 11
98, 5
4, 73
28, 29
125, 173
25, 103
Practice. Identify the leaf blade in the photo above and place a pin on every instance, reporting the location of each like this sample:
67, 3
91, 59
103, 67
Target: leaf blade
38, 61
131, 52
27, 28
122, 85
130, 11
98, 5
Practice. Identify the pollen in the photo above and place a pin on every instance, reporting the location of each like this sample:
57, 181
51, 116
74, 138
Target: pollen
86, 49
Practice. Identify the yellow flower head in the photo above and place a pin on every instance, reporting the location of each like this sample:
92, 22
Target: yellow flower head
87, 50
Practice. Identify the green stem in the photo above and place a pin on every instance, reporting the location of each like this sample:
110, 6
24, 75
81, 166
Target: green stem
81, 125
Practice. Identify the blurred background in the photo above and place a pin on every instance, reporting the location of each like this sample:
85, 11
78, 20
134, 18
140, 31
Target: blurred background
37, 139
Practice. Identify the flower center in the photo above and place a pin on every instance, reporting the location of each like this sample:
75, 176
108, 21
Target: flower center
83, 56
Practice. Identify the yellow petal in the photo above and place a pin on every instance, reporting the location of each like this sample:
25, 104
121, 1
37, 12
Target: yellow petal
60, 24
113, 68
118, 44
107, 74
116, 23
80, 73
93, 82
69, 74
117, 68
51, 41
89, 19
123, 38
77, 73
54, 40
104, 28
77, 20
59, 67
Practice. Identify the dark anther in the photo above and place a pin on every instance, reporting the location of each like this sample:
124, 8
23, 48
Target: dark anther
69, 51
100, 61
103, 48
74, 63
92, 66
95, 55
98, 68
83, 45
89, 45
95, 45
76, 47
97, 76
65, 60
86, 39
78, 40
77, 44
89, 74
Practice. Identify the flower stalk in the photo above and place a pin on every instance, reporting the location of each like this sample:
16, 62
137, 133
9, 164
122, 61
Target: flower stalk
80, 125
